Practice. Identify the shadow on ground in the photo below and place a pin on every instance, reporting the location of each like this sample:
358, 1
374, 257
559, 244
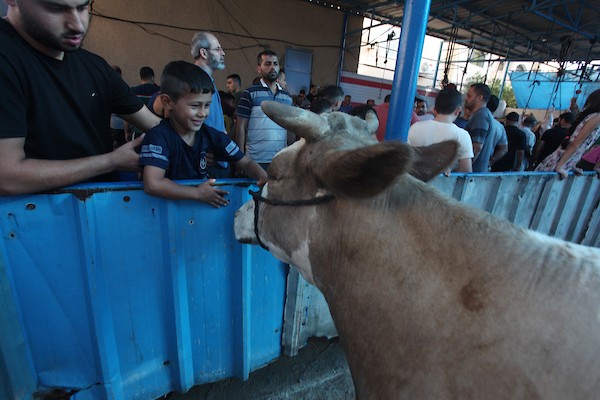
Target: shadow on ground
319, 371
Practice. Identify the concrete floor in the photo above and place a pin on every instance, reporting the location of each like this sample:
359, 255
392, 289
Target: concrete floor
318, 372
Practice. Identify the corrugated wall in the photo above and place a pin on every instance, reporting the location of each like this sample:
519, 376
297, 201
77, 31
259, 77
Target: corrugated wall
114, 294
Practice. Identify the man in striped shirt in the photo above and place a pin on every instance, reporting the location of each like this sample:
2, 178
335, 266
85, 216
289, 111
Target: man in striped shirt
256, 134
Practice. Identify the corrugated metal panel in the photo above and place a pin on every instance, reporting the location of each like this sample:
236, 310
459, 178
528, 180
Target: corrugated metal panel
121, 295
566, 209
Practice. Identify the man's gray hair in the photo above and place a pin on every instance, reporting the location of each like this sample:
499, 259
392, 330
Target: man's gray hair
199, 41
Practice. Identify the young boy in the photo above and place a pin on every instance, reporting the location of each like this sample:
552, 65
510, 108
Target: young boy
177, 147
447, 108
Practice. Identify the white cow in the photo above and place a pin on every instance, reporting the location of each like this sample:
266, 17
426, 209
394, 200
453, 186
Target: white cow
431, 299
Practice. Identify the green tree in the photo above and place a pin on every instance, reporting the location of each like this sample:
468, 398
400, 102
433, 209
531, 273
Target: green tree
508, 94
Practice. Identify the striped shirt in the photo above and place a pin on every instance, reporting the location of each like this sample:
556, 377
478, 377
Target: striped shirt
264, 137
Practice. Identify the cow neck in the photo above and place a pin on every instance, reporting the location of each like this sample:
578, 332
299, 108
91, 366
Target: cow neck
258, 198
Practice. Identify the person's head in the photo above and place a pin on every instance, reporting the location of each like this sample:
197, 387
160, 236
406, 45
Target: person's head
333, 94
267, 66
592, 104
387, 98
302, 93
420, 107
187, 93
146, 74
512, 119
313, 89
529, 121
50, 27
361, 111
448, 102
227, 103
493, 103
347, 100
320, 105
370, 102
234, 83
565, 119
281, 79
207, 52
478, 96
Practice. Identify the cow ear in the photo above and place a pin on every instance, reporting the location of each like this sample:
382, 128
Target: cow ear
430, 161
366, 171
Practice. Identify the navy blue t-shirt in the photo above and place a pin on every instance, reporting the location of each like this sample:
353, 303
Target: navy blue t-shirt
164, 148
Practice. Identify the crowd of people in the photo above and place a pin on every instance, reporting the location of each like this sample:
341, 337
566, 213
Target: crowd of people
71, 118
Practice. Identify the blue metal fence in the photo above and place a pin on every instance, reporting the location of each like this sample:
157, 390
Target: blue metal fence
120, 295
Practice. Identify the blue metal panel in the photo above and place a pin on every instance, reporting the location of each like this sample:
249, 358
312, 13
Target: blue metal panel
410, 48
121, 295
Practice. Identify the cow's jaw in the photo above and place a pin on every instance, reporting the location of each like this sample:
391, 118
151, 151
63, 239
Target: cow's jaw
244, 232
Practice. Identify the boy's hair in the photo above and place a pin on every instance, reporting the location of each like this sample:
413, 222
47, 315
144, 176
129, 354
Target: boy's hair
265, 53
180, 78
448, 100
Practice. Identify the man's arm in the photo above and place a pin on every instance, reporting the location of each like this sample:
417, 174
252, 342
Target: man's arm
476, 149
240, 132
537, 149
499, 152
21, 175
465, 165
143, 119
519, 156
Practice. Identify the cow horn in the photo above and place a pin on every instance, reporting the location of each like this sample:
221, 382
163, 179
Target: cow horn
372, 122
303, 123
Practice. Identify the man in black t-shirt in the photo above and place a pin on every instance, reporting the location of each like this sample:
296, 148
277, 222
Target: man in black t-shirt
55, 118
551, 139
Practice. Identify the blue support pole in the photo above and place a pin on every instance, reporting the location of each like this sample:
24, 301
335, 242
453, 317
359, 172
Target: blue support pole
410, 49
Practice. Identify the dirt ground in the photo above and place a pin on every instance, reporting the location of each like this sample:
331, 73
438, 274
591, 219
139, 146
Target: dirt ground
318, 372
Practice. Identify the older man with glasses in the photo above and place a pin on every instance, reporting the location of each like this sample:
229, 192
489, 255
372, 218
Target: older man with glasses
210, 56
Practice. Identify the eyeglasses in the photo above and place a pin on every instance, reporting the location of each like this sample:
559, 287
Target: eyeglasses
217, 49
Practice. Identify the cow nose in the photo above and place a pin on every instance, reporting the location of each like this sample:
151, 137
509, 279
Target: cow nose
243, 224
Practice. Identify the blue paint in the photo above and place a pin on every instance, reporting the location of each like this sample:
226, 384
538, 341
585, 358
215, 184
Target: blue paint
126, 296
404, 87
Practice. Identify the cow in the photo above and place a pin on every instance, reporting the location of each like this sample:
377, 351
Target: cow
432, 299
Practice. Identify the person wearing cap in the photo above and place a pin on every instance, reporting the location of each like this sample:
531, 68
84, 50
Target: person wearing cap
551, 139
517, 145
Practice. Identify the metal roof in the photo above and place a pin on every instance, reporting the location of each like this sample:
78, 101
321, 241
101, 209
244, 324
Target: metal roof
545, 30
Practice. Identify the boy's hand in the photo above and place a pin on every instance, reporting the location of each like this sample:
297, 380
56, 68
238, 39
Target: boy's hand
208, 193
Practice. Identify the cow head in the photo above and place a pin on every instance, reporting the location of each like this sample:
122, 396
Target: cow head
337, 160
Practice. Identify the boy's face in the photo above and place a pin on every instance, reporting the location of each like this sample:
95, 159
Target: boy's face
189, 112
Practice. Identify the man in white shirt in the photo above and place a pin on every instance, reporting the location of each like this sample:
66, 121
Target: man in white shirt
447, 108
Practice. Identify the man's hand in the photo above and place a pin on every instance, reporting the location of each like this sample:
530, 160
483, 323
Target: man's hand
208, 193
125, 158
